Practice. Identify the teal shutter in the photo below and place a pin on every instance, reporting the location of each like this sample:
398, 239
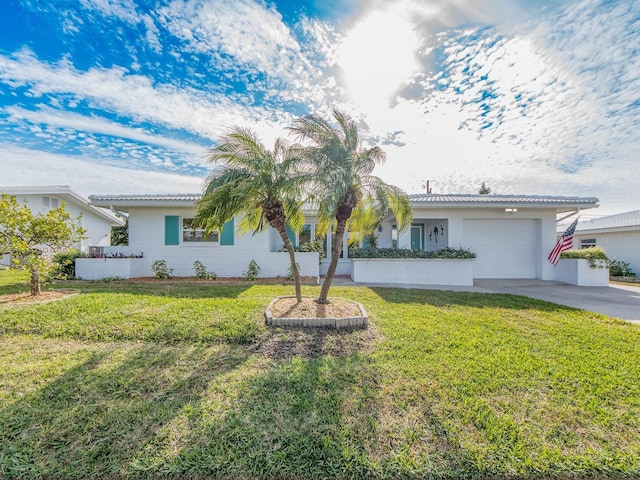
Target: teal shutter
226, 235
291, 234
172, 230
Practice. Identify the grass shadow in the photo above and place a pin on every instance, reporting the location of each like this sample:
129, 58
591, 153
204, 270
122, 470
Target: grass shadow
90, 421
444, 298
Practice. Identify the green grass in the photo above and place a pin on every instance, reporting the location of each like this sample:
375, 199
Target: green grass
175, 380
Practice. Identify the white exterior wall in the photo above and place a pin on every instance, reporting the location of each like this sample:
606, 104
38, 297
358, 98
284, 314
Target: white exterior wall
225, 261
623, 246
413, 271
98, 229
147, 236
578, 271
544, 243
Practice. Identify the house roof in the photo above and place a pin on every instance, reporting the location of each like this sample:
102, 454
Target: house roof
123, 202
65, 193
561, 204
621, 221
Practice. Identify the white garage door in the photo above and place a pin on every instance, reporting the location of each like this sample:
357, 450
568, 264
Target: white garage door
503, 248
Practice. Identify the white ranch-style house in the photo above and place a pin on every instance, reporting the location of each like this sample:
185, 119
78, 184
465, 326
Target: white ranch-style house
511, 236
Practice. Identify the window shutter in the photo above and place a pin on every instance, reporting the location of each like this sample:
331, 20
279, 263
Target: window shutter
226, 235
172, 230
291, 234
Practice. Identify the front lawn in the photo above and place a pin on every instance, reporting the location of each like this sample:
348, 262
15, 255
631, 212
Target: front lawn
148, 380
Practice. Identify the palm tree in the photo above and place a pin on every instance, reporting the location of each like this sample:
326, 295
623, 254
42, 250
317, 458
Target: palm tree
343, 187
262, 185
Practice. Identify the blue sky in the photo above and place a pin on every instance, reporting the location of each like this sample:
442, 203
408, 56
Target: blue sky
126, 96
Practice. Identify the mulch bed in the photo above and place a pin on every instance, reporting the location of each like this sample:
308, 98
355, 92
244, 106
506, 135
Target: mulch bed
26, 297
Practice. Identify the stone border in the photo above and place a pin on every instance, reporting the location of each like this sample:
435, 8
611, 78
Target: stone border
361, 321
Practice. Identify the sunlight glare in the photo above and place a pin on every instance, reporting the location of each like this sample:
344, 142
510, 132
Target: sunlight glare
377, 56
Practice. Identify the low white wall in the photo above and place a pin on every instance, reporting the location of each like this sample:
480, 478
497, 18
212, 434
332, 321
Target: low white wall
229, 261
99, 268
578, 271
416, 271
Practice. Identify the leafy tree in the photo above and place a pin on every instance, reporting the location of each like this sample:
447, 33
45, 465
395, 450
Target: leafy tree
484, 190
120, 235
346, 193
24, 236
261, 184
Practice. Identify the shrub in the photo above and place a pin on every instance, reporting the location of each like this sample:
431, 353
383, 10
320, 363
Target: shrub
290, 275
65, 264
592, 254
619, 268
315, 246
160, 270
253, 270
445, 253
111, 255
201, 271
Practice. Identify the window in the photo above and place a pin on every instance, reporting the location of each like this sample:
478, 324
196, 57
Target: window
49, 202
587, 243
305, 235
194, 235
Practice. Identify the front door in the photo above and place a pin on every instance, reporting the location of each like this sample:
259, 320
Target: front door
416, 237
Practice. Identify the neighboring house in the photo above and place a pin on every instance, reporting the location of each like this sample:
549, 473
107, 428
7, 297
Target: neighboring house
96, 221
618, 235
510, 234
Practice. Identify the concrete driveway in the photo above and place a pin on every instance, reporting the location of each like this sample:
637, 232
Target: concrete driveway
620, 301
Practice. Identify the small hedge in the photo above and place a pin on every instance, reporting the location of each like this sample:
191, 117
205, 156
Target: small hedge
592, 254
445, 253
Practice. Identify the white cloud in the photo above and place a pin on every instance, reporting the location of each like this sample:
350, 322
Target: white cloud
83, 123
29, 167
122, 9
205, 114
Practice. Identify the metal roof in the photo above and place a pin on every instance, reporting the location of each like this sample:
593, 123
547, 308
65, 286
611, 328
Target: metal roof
144, 199
417, 200
612, 222
467, 200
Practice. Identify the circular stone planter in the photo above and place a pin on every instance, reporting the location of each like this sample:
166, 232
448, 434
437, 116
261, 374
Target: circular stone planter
359, 321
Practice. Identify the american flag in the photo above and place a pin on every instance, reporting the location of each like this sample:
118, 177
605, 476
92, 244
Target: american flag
565, 242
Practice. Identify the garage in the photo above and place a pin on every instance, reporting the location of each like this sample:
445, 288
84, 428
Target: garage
503, 248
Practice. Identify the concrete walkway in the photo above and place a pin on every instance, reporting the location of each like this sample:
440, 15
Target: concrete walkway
619, 301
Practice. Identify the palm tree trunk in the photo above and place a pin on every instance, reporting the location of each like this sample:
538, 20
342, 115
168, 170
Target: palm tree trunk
292, 258
336, 248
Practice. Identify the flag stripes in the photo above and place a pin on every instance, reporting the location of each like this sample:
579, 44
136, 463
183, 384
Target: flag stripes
565, 242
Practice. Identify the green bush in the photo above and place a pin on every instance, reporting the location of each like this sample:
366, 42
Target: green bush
65, 264
160, 270
619, 268
253, 270
592, 254
201, 271
290, 275
445, 253
315, 246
